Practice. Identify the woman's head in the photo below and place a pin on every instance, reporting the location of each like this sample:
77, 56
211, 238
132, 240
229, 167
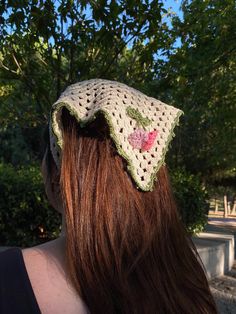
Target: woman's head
127, 250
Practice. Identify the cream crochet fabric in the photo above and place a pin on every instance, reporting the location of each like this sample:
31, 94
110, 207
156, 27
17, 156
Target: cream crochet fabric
140, 126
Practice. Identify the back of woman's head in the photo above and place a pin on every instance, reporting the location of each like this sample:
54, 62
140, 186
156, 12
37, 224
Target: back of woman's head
127, 250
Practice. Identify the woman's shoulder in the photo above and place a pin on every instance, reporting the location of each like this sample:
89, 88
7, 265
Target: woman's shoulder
41, 275
46, 269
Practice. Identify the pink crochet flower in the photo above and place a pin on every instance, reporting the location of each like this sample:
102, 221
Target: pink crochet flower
137, 137
142, 139
151, 138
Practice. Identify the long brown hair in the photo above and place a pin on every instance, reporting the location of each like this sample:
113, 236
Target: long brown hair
127, 250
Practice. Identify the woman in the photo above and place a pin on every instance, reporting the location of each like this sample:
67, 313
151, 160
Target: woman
123, 248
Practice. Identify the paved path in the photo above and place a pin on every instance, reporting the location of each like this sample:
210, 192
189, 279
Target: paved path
224, 291
224, 288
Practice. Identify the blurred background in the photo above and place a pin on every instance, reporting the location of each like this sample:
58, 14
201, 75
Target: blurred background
181, 52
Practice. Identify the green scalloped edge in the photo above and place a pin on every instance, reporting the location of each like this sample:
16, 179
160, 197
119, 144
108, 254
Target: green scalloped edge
83, 123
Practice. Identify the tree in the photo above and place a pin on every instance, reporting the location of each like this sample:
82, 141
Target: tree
40, 54
200, 77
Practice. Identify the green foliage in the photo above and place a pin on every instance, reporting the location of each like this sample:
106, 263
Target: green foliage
49, 51
20, 145
192, 200
26, 218
200, 77
41, 54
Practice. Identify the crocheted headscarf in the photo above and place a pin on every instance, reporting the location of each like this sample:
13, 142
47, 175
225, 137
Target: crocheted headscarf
140, 126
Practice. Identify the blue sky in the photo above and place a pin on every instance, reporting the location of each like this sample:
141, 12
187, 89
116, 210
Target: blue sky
174, 5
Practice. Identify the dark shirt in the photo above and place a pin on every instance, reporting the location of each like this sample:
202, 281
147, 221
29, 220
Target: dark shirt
16, 293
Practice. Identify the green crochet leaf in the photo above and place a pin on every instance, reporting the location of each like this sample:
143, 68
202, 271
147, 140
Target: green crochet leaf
135, 114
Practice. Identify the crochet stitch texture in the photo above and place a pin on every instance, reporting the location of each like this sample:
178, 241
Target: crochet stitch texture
128, 112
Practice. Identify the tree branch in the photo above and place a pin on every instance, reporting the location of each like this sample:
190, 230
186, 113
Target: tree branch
121, 48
